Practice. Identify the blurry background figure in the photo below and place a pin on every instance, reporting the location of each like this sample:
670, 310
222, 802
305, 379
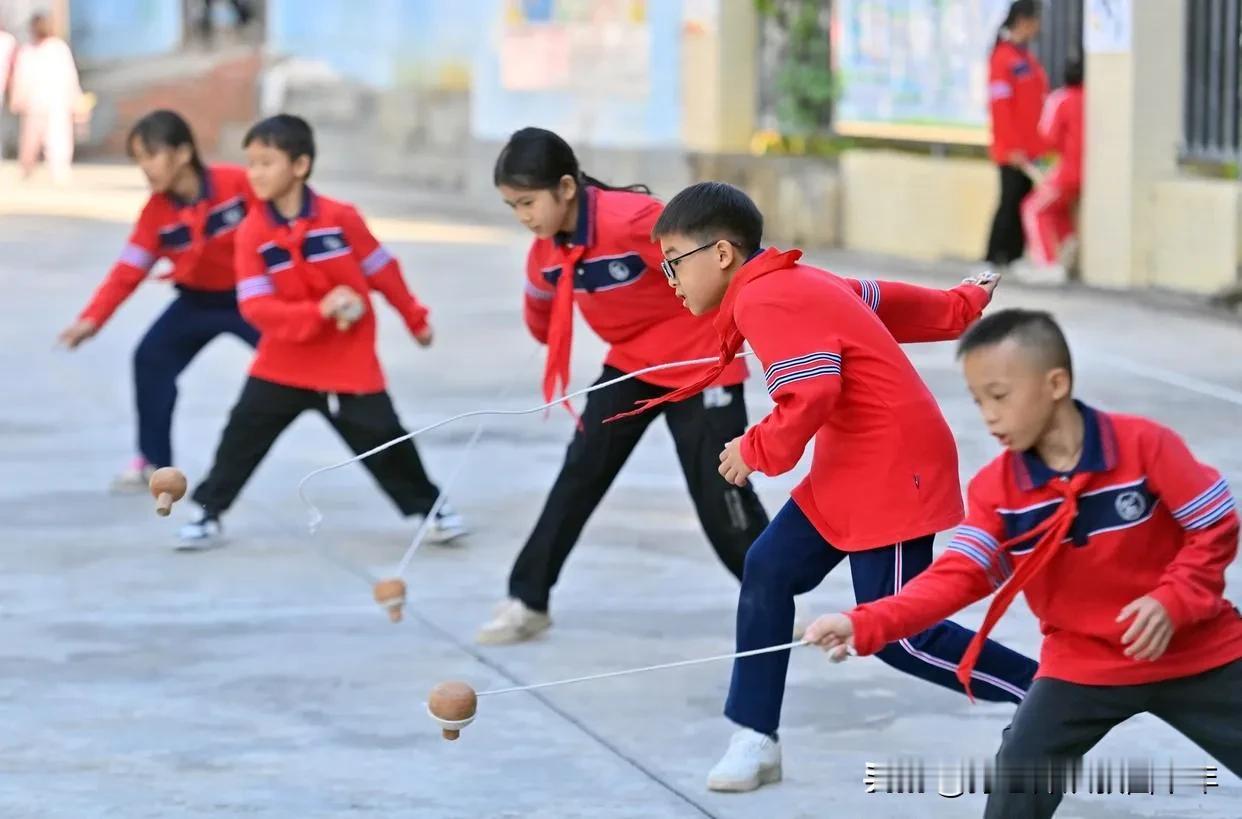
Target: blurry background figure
8, 51
205, 12
1017, 86
1048, 214
47, 96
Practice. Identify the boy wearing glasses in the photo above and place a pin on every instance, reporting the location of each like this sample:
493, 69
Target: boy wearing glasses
884, 476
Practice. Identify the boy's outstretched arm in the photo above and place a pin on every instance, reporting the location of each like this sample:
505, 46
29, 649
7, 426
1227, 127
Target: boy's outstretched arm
914, 314
971, 569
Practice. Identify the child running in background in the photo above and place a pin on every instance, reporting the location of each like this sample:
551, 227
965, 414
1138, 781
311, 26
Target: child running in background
1118, 537
883, 478
306, 266
191, 219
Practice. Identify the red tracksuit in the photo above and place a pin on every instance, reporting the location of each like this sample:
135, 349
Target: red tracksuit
197, 238
1144, 518
1047, 214
885, 464
1017, 85
614, 268
284, 270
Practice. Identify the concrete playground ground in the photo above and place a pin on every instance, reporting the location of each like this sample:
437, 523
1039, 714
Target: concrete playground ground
259, 680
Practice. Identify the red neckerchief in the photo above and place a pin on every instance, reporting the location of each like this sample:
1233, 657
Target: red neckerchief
289, 238
1053, 532
561, 330
769, 261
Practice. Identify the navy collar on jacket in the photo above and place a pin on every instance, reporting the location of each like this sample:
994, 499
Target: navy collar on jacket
1099, 452
582, 231
308, 208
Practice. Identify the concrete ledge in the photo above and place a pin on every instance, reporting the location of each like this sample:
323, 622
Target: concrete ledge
799, 196
919, 207
1195, 246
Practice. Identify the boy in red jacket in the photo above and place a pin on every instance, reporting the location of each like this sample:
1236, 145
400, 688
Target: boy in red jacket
1048, 213
883, 479
305, 267
1118, 537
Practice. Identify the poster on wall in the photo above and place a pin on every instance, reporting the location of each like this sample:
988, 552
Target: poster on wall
1107, 27
914, 69
587, 46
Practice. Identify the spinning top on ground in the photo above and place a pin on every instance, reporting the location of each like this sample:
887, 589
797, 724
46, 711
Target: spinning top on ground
167, 487
452, 705
390, 594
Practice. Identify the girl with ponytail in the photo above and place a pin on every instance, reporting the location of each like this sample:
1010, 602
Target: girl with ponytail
1017, 86
190, 219
593, 250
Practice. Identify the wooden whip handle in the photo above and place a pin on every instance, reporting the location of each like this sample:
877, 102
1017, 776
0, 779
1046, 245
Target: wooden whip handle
163, 504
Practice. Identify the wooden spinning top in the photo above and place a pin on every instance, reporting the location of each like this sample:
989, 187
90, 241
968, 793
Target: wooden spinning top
452, 705
167, 487
390, 594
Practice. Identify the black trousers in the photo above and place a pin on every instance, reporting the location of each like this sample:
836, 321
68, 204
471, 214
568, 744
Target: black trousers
1007, 241
731, 516
265, 410
1059, 722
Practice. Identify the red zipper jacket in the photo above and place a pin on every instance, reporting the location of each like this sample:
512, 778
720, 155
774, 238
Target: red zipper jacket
196, 236
284, 270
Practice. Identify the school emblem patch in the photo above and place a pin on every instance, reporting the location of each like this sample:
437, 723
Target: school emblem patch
619, 270
332, 243
1130, 505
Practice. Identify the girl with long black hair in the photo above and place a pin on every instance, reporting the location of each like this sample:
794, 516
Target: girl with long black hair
593, 250
190, 219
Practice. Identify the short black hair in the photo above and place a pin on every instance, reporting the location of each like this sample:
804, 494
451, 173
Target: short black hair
713, 210
1073, 71
286, 133
1034, 330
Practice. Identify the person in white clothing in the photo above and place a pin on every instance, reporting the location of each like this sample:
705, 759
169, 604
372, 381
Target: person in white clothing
8, 50
47, 96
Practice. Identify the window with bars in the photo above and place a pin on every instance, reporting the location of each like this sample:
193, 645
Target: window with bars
1211, 105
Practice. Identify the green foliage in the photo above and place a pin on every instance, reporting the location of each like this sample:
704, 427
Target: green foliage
805, 84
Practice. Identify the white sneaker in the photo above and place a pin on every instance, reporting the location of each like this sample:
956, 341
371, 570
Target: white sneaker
1040, 274
513, 623
1067, 256
134, 478
447, 527
753, 759
201, 534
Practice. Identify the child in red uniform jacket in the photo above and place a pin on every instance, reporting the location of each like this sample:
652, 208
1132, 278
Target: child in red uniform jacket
593, 251
1048, 213
883, 479
191, 219
1017, 85
305, 267
1119, 539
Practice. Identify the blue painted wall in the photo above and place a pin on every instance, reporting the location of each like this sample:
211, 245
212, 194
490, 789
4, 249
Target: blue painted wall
120, 29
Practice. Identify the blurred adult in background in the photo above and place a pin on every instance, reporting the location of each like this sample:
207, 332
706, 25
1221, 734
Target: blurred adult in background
48, 97
8, 51
1017, 86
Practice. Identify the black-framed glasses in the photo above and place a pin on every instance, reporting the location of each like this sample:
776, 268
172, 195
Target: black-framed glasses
669, 266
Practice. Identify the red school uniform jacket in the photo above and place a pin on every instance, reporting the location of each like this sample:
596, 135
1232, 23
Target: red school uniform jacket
1017, 85
197, 237
1150, 520
614, 267
1061, 128
885, 465
285, 268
